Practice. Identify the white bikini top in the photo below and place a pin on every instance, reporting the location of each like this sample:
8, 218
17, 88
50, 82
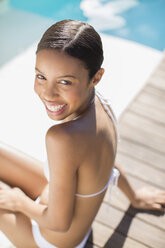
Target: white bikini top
113, 179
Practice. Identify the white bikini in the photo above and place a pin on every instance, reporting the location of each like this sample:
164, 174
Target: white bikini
113, 180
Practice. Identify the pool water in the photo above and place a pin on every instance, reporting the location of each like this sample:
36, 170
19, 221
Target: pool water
144, 24
142, 21
54, 9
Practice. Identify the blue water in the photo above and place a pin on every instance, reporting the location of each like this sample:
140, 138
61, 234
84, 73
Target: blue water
54, 9
144, 23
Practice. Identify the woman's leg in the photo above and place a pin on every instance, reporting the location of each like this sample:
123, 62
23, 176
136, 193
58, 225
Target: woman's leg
20, 170
17, 227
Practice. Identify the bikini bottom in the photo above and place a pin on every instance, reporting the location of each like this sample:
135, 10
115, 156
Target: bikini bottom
43, 243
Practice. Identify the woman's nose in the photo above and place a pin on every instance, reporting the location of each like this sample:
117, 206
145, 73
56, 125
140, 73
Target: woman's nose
50, 91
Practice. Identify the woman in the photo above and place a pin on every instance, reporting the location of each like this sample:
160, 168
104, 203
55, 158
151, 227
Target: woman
54, 205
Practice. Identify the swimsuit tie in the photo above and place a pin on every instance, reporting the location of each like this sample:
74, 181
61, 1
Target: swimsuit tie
113, 182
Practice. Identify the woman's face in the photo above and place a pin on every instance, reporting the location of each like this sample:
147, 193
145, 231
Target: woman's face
62, 83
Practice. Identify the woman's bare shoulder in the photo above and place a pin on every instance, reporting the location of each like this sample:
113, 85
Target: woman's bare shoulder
67, 141
64, 133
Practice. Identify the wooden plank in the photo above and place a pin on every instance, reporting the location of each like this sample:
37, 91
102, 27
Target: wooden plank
145, 124
142, 171
162, 66
120, 201
133, 228
104, 236
90, 245
142, 153
145, 98
154, 91
160, 71
144, 138
146, 111
158, 81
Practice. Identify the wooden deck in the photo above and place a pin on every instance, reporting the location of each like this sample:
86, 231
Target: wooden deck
141, 153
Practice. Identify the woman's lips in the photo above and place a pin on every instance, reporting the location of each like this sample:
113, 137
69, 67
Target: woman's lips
55, 109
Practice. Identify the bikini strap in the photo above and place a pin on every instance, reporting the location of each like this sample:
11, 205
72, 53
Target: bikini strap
106, 103
113, 180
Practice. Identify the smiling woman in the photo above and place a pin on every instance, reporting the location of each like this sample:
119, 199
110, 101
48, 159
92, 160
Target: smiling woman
62, 85
79, 65
54, 205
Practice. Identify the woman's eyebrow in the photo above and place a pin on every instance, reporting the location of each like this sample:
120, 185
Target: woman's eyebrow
66, 76
38, 70
59, 76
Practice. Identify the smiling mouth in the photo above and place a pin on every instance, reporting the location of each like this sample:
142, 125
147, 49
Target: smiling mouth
58, 109
55, 108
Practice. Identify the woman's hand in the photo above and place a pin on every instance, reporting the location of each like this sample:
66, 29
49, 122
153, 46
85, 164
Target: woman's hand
149, 198
10, 198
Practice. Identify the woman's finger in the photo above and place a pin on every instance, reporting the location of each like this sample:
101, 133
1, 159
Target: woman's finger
159, 207
159, 198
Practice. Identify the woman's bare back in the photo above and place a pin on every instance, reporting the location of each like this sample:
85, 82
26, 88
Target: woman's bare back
95, 138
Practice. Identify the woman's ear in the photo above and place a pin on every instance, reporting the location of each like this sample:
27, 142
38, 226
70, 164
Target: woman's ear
97, 77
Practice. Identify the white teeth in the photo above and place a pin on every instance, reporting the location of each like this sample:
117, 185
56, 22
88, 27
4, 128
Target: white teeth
55, 108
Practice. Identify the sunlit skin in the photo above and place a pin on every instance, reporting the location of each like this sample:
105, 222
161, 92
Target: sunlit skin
81, 156
62, 79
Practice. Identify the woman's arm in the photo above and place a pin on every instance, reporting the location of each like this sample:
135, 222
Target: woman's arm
58, 214
125, 185
61, 152
14, 199
143, 198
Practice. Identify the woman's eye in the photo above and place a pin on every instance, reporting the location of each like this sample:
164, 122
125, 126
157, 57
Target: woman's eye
65, 82
40, 76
